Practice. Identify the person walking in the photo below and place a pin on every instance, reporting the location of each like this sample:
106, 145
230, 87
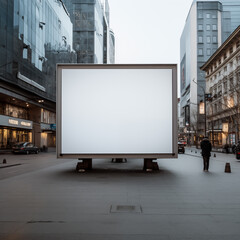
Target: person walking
206, 147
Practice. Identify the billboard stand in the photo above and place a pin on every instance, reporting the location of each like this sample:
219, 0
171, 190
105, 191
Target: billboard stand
84, 164
119, 160
149, 165
94, 121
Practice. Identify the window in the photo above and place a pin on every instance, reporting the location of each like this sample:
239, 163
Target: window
200, 15
200, 27
208, 51
225, 87
214, 27
208, 39
219, 61
231, 64
200, 52
219, 106
208, 15
215, 108
231, 50
219, 90
208, 27
225, 56
214, 39
238, 44
231, 83
214, 16
230, 102
200, 39
225, 68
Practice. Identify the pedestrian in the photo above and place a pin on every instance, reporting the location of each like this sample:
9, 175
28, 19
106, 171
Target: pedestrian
206, 147
237, 150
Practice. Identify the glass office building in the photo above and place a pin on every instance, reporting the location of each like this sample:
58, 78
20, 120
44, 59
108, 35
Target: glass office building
91, 33
207, 26
35, 35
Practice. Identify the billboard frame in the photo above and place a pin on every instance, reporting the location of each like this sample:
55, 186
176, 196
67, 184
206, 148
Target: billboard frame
60, 67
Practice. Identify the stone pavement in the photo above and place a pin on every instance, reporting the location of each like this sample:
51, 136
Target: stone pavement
119, 201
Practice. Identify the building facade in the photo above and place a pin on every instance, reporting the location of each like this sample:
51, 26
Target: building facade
92, 37
35, 35
207, 26
223, 84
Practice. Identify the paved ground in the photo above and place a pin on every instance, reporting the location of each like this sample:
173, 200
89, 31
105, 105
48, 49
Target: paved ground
46, 199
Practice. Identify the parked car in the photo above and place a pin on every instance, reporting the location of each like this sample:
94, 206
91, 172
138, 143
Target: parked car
25, 147
181, 148
182, 141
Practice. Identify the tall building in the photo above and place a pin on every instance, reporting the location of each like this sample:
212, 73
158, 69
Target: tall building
92, 37
223, 83
35, 35
208, 24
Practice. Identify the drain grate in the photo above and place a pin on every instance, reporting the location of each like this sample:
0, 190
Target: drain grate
126, 209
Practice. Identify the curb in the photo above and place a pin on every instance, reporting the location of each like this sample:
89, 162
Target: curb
11, 165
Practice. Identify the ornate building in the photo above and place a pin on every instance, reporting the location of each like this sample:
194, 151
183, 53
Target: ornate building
223, 84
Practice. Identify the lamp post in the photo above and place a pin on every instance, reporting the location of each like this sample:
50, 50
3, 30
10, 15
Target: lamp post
204, 109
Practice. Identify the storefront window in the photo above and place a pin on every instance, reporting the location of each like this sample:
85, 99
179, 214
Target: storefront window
8, 137
47, 116
17, 112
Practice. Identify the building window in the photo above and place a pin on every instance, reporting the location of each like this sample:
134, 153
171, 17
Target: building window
225, 87
238, 44
219, 61
208, 15
200, 52
214, 27
47, 116
208, 39
208, 27
231, 50
200, 15
200, 27
214, 39
231, 83
225, 68
214, 16
219, 106
215, 108
208, 51
231, 64
225, 56
230, 103
200, 39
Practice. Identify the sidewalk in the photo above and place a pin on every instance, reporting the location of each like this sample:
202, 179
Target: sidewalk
16, 159
215, 154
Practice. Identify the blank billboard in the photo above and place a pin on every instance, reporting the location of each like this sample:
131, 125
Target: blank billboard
116, 110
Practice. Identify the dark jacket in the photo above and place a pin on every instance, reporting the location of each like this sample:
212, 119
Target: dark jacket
206, 147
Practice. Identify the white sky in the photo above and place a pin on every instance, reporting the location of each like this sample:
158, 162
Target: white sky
148, 31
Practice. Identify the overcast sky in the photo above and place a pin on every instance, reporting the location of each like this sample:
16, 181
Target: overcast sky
148, 31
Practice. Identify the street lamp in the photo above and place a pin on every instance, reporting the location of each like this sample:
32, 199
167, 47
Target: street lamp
203, 107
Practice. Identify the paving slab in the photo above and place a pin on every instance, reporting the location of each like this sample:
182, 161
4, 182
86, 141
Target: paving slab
120, 201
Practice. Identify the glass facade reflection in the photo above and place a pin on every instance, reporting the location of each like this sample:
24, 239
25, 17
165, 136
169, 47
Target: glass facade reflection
90, 20
35, 36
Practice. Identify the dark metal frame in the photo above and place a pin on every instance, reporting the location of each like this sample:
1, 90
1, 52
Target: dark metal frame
173, 67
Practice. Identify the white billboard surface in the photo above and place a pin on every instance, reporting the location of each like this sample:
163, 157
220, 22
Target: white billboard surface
116, 111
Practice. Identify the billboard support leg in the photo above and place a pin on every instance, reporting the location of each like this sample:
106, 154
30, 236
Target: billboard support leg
84, 164
149, 165
119, 160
